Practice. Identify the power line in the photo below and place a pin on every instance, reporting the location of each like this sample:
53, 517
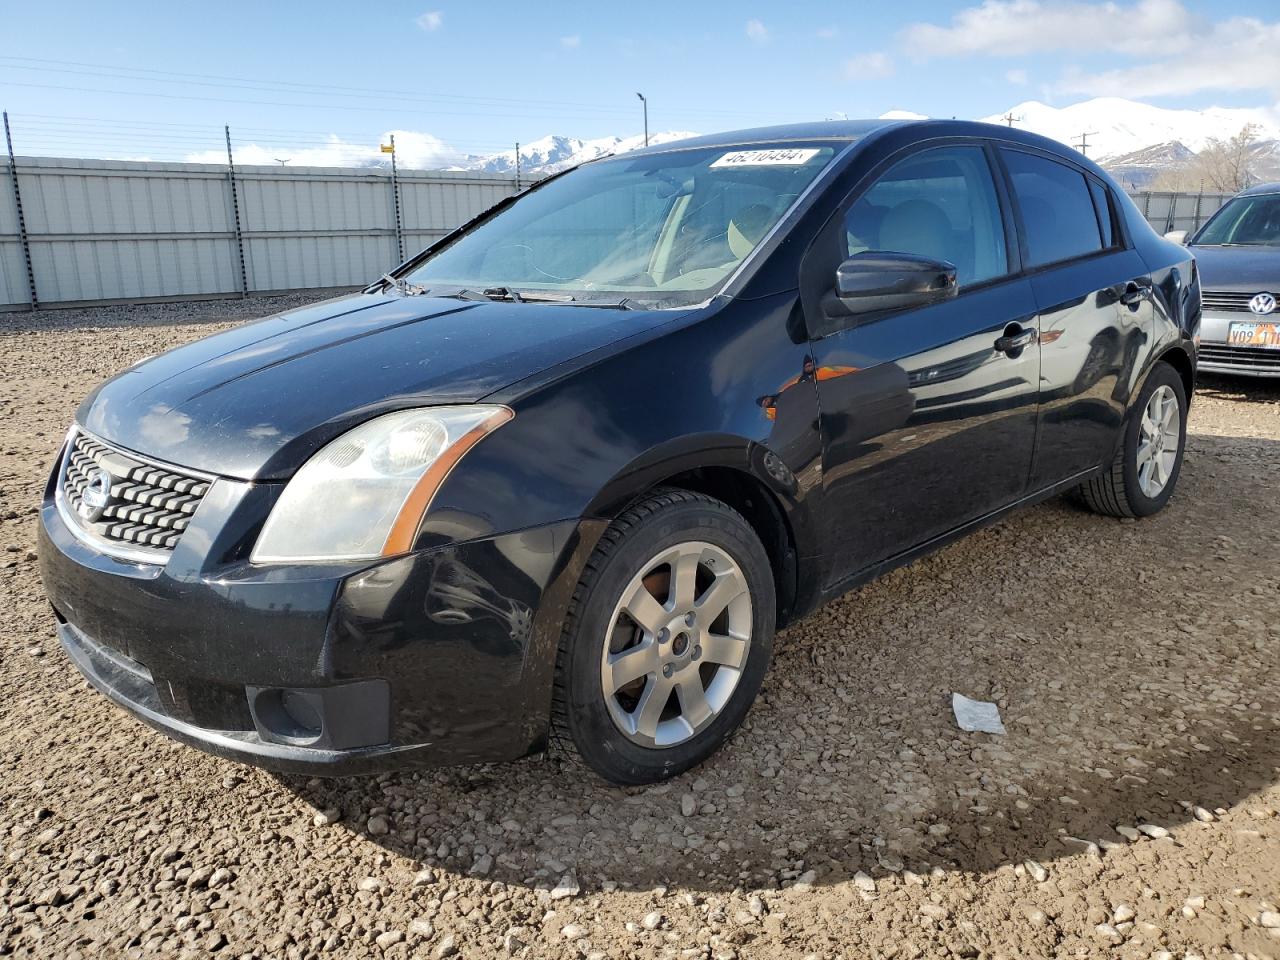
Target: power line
115, 71
399, 111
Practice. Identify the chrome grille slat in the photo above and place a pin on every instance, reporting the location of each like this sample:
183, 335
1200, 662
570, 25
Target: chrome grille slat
1228, 300
1253, 358
149, 507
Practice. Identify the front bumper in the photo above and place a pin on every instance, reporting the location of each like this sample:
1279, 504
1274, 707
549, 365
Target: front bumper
438, 657
1217, 356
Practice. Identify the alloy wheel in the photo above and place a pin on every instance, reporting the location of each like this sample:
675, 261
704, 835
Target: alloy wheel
678, 641
1159, 438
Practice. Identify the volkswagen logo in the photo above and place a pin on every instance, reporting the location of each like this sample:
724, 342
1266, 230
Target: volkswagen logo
1263, 304
96, 496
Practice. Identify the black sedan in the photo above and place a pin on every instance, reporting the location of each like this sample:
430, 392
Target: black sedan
560, 477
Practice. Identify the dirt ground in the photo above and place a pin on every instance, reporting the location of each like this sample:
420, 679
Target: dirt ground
1132, 809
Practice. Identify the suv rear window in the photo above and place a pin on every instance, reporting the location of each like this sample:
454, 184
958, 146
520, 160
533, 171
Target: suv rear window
1057, 209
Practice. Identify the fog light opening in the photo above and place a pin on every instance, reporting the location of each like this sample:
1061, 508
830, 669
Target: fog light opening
288, 716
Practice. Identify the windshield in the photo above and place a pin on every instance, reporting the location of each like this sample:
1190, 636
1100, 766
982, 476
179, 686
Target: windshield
1244, 220
661, 230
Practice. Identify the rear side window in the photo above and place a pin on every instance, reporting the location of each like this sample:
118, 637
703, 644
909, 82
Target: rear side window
1105, 209
1057, 209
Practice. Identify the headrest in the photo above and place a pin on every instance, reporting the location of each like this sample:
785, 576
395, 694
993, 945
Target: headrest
748, 227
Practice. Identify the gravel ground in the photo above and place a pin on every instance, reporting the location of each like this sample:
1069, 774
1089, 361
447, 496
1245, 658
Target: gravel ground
1130, 811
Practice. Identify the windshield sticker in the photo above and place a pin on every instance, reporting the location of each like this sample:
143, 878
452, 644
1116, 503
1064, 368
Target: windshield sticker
767, 158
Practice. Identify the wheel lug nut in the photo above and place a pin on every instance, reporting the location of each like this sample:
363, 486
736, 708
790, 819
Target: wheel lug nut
697, 652
663, 635
689, 619
668, 670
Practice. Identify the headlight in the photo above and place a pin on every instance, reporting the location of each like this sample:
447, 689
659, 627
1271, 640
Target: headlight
364, 494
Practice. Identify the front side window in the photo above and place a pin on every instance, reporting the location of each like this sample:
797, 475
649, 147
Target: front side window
1057, 208
940, 204
1248, 221
668, 228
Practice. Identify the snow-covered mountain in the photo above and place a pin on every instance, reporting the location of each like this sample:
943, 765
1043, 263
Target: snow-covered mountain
1116, 126
553, 153
1136, 140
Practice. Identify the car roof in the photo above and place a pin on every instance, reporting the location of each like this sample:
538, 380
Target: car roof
1259, 188
852, 130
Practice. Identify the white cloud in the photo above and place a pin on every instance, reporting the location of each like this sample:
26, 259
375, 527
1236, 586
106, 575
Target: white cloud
571, 42
1017, 27
1165, 49
414, 150
1240, 55
757, 32
867, 66
431, 21
828, 33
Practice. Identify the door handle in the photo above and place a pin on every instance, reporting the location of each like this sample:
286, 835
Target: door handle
1133, 293
1015, 338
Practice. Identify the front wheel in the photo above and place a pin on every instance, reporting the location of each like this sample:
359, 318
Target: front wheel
1141, 479
666, 641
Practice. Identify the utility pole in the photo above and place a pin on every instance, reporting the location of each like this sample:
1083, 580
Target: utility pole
395, 192
1010, 119
517, 166
235, 212
22, 222
1083, 145
645, 104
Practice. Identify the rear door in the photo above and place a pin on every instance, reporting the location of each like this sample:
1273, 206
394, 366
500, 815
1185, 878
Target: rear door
1093, 293
926, 423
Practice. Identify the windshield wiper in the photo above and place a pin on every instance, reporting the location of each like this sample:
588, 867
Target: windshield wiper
509, 295
626, 303
527, 296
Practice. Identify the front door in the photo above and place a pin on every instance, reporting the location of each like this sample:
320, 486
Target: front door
927, 421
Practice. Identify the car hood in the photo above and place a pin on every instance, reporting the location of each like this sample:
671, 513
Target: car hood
256, 401
1238, 269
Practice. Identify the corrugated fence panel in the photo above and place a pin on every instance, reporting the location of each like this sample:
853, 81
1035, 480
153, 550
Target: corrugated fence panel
1178, 211
13, 272
102, 230
119, 230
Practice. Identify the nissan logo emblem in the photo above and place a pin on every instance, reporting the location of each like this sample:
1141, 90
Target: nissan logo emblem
1263, 304
96, 495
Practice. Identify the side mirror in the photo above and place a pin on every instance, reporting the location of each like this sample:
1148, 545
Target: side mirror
1177, 236
877, 280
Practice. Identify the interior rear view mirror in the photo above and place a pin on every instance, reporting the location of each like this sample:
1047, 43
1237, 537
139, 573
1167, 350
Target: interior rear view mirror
877, 280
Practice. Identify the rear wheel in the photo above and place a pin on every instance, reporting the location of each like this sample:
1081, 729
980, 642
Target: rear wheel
666, 641
1142, 477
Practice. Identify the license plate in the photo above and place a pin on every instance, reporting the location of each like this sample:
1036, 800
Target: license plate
1246, 333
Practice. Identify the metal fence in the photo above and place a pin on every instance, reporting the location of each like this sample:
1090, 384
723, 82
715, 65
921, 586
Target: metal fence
1178, 211
111, 230
114, 230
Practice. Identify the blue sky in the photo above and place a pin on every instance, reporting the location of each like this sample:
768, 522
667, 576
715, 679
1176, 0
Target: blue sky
160, 79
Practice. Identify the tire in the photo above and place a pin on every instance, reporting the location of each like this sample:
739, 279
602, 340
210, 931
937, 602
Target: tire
1128, 488
626, 699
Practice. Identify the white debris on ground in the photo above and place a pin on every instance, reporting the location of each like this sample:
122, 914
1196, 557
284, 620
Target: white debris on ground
976, 716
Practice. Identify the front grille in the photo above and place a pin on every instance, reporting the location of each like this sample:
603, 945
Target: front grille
1228, 300
1250, 358
120, 498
